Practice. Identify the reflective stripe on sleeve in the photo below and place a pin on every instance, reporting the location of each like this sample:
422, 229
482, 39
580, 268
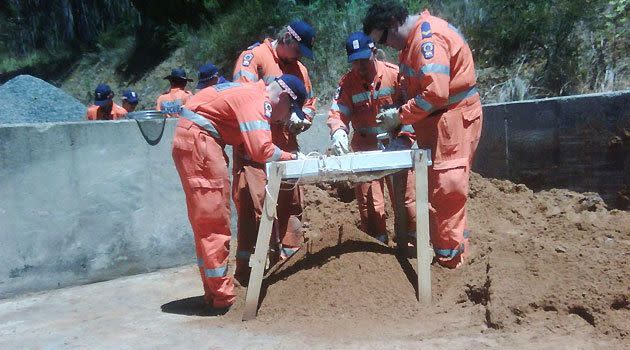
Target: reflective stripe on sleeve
277, 153
243, 73
462, 95
254, 126
360, 97
436, 68
220, 271
226, 86
385, 91
340, 108
422, 103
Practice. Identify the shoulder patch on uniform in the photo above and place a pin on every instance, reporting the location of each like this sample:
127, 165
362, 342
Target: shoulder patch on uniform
247, 59
425, 29
428, 51
268, 109
254, 45
337, 93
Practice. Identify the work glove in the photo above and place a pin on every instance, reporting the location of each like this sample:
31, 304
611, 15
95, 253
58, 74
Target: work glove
399, 144
339, 145
300, 156
388, 119
297, 125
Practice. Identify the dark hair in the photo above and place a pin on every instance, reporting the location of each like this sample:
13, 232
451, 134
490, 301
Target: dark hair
380, 15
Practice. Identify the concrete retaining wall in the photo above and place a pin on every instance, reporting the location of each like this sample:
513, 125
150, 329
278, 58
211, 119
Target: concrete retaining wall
89, 201
580, 143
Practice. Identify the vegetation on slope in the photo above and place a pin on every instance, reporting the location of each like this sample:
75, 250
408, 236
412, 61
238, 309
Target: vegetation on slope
523, 49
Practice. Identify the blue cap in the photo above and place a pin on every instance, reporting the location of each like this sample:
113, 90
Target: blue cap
103, 95
294, 86
305, 35
205, 74
359, 46
130, 96
177, 74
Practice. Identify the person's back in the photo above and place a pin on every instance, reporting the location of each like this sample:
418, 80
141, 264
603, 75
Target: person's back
171, 101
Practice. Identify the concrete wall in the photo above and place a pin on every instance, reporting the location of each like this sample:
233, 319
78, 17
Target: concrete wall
87, 201
580, 143
574, 142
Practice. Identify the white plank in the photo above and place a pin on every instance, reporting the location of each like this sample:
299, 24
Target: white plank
351, 163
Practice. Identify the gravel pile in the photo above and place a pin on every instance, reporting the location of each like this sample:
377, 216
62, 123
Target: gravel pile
26, 99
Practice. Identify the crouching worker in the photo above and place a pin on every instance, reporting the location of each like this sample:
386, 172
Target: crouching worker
370, 86
236, 114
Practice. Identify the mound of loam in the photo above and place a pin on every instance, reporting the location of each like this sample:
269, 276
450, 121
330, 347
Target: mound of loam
555, 260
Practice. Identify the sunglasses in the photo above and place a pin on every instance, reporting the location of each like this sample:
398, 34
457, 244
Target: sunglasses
383, 39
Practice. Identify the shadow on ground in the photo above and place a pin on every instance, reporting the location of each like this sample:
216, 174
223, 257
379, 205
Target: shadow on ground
192, 306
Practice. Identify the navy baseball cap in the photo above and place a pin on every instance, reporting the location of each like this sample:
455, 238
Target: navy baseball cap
296, 89
305, 35
177, 74
130, 96
359, 46
205, 74
103, 95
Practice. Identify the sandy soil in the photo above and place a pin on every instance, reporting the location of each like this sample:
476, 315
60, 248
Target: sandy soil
543, 265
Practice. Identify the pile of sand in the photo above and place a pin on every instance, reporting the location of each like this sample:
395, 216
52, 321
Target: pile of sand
555, 260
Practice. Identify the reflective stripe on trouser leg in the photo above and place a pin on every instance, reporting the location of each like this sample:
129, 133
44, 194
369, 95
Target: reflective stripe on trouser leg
207, 198
447, 193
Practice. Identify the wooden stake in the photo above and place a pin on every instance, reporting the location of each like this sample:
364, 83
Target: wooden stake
259, 258
423, 248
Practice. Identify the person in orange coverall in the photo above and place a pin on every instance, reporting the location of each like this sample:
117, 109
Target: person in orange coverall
444, 109
370, 86
171, 101
265, 62
237, 114
104, 107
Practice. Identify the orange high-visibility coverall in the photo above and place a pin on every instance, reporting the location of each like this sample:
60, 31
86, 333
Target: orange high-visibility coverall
170, 102
445, 111
260, 62
239, 115
357, 102
94, 112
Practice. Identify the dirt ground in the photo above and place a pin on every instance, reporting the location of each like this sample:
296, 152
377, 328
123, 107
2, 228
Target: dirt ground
543, 265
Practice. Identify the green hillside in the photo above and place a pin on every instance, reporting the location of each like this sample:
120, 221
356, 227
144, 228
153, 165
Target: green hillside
523, 49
